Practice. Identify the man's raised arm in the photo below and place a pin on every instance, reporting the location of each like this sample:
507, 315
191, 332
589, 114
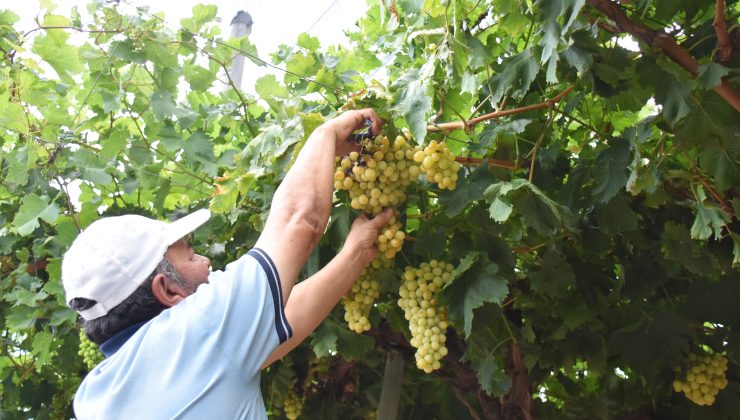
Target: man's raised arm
302, 204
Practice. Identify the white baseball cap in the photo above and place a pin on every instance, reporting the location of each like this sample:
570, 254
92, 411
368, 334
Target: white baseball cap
114, 255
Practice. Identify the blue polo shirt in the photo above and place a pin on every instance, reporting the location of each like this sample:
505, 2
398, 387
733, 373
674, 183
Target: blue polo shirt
199, 359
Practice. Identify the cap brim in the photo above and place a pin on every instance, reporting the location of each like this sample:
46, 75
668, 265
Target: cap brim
185, 225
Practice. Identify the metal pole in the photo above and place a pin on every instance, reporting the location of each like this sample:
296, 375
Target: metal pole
391, 392
241, 26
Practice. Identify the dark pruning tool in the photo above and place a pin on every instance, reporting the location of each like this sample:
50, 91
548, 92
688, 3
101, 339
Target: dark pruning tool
357, 138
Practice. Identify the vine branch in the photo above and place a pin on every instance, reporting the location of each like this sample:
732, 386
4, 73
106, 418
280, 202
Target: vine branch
724, 45
468, 125
662, 41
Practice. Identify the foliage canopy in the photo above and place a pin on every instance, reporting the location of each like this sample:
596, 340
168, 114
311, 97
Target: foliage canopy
596, 237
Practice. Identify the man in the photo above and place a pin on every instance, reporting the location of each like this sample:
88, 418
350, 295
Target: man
181, 342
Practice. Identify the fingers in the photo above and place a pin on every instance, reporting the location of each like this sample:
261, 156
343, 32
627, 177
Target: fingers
381, 219
369, 114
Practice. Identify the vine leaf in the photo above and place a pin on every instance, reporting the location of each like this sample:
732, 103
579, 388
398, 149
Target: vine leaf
491, 374
480, 284
708, 220
32, 209
469, 190
521, 197
412, 101
62, 57
710, 75
519, 72
554, 277
664, 336
610, 170
678, 246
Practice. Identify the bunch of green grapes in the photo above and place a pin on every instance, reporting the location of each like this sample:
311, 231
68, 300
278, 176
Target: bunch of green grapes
359, 300
292, 405
427, 319
439, 165
377, 177
391, 238
703, 379
89, 351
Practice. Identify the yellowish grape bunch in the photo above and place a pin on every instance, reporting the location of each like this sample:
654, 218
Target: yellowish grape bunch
391, 238
293, 406
427, 319
438, 164
377, 177
703, 379
359, 300
90, 353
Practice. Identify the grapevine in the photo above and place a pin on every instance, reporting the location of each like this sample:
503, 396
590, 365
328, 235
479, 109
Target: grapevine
705, 376
427, 320
358, 302
90, 353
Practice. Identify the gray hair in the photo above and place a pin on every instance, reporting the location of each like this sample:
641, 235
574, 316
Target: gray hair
140, 306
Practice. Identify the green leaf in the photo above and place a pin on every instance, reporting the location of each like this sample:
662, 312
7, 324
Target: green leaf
8, 17
673, 94
708, 220
308, 42
268, 87
32, 209
520, 197
113, 144
500, 210
493, 131
163, 105
324, 341
202, 14
476, 286
610, 170
469, 83
465, 263
431, 241
617, 216
679, 247
469, 190
554, 277
492, 375
735, 250
710, 75
62, 57
663, 337
643, 177
516, 75
23, 317
13, 116
304, 65
721, 161
42, 348
198, 148
412, 101
198, 78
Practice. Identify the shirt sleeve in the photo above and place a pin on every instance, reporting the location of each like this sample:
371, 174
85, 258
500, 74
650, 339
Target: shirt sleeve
244, 308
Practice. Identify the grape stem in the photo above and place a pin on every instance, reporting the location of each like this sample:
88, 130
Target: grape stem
469, 124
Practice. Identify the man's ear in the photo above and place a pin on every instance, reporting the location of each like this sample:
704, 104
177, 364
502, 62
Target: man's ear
166, 291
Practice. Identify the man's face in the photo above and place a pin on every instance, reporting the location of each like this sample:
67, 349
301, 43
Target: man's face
194, 268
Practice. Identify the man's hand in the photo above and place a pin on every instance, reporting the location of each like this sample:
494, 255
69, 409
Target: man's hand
343, 125
362, 236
